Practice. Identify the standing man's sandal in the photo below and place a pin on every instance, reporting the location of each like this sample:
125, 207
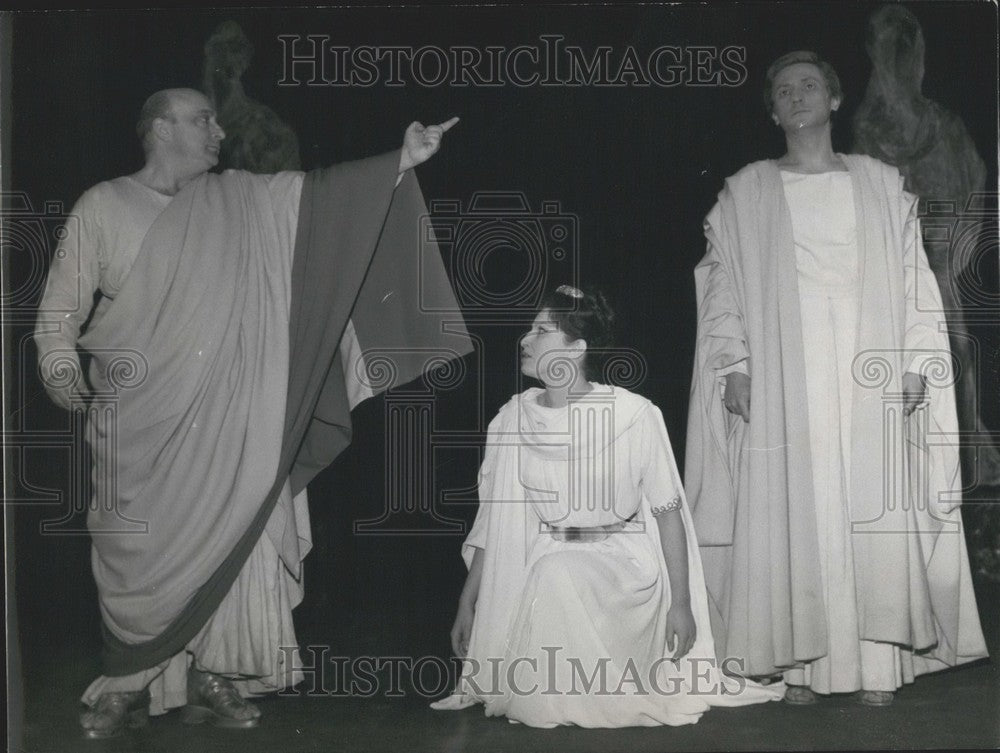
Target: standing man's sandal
799, 695
876, 697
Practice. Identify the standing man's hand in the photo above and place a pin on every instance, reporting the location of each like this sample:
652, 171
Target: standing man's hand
914, 392
736, 398
420, 143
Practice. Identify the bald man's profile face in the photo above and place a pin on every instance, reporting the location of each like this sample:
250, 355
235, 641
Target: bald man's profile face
195, 136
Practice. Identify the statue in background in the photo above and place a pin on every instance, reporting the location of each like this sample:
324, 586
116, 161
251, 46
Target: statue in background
898, 125
257, 140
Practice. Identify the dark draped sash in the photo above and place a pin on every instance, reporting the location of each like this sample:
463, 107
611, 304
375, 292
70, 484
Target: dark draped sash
359, 255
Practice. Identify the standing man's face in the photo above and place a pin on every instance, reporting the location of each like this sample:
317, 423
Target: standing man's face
196, 136
801, 98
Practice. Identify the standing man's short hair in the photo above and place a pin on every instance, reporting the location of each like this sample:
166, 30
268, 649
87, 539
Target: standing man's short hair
800, 56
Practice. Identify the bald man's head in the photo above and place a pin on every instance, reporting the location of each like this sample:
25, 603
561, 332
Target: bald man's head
160, 105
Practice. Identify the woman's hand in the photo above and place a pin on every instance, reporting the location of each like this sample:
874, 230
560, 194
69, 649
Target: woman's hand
461, 631
681, 630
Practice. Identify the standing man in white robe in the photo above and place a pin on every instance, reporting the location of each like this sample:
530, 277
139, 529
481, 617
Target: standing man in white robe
822, 464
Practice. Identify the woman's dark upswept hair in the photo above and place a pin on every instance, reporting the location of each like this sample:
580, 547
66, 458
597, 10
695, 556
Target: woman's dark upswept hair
800, 56
589, 318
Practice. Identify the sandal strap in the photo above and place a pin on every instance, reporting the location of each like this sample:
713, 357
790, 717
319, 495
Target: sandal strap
218, 693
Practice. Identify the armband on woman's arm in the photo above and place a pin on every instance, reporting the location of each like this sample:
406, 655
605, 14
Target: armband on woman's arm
674, 504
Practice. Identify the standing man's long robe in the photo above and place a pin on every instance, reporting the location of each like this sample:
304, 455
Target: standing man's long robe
235, 313
751, 486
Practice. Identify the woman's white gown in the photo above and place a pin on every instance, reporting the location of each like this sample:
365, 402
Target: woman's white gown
573, 632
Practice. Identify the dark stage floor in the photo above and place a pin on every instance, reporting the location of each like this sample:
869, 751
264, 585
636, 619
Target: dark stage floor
395, 596
954, 709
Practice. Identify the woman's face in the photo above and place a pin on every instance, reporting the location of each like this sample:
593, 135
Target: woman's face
801, 98
545, 350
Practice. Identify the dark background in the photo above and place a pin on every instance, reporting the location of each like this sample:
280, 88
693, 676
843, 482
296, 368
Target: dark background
638, 167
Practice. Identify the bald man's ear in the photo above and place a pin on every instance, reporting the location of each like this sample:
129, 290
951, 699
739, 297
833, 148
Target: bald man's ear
162, 129
835, 104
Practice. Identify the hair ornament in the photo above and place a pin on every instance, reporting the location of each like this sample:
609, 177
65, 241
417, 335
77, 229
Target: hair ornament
570, 291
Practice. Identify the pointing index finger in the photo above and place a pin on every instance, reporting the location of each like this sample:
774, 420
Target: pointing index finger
449, 123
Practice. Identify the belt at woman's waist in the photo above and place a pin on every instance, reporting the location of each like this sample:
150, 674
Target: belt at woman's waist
584, 534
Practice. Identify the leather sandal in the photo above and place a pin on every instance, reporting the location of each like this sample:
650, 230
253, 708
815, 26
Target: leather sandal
112, 713
213, 699
799, 695
767, 679
876, 697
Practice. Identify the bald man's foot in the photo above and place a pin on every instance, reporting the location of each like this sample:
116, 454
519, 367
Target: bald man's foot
112, 713
214, 700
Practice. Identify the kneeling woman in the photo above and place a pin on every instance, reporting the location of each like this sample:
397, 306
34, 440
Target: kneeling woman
585, 601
